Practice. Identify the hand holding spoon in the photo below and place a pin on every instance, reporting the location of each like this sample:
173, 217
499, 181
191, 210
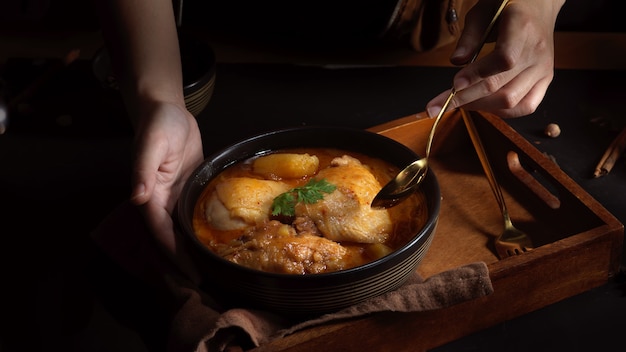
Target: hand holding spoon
409, 178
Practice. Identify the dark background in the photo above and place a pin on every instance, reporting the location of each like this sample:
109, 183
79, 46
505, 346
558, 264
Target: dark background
576, 15
65, 164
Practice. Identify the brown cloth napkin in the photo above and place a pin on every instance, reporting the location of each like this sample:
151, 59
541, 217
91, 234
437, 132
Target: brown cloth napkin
196, 323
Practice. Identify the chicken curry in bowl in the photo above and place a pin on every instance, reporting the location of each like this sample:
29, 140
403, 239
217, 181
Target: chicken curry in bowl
304, 211
282, 221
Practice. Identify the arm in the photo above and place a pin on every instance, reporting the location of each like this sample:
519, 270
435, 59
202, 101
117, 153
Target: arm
142, 40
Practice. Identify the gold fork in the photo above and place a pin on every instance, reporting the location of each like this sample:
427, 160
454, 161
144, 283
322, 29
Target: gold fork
512, 241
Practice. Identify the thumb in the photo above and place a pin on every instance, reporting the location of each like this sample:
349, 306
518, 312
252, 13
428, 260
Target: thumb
476, 21
143, 181
139, 195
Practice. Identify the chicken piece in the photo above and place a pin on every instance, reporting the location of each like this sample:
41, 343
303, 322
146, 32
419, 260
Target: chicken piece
346, 214
242, 201
276, 247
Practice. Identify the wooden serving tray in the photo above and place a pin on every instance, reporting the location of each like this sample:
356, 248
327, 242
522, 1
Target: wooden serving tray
578, 243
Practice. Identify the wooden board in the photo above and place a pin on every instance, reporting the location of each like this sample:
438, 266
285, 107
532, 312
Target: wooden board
578, 242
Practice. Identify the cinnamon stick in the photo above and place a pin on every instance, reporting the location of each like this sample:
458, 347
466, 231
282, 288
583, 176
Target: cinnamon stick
611, 155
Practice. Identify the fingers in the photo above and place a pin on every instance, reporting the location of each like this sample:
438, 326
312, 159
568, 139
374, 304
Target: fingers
169, 240
506, 109
505, 88
434, 106
476, 21
508, 57
518, 97
148, 158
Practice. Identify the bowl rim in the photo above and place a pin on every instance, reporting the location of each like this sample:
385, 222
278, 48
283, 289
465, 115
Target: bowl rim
430, 180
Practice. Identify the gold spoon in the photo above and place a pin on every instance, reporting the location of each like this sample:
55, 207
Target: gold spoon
409, 178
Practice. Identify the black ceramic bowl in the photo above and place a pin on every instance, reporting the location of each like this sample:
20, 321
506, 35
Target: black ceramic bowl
310, 294
198, 63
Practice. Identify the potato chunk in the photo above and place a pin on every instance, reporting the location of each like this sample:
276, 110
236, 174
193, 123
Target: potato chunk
286, 165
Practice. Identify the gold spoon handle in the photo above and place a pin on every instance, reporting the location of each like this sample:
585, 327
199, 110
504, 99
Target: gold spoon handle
453, 91
436, 122
489, 28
